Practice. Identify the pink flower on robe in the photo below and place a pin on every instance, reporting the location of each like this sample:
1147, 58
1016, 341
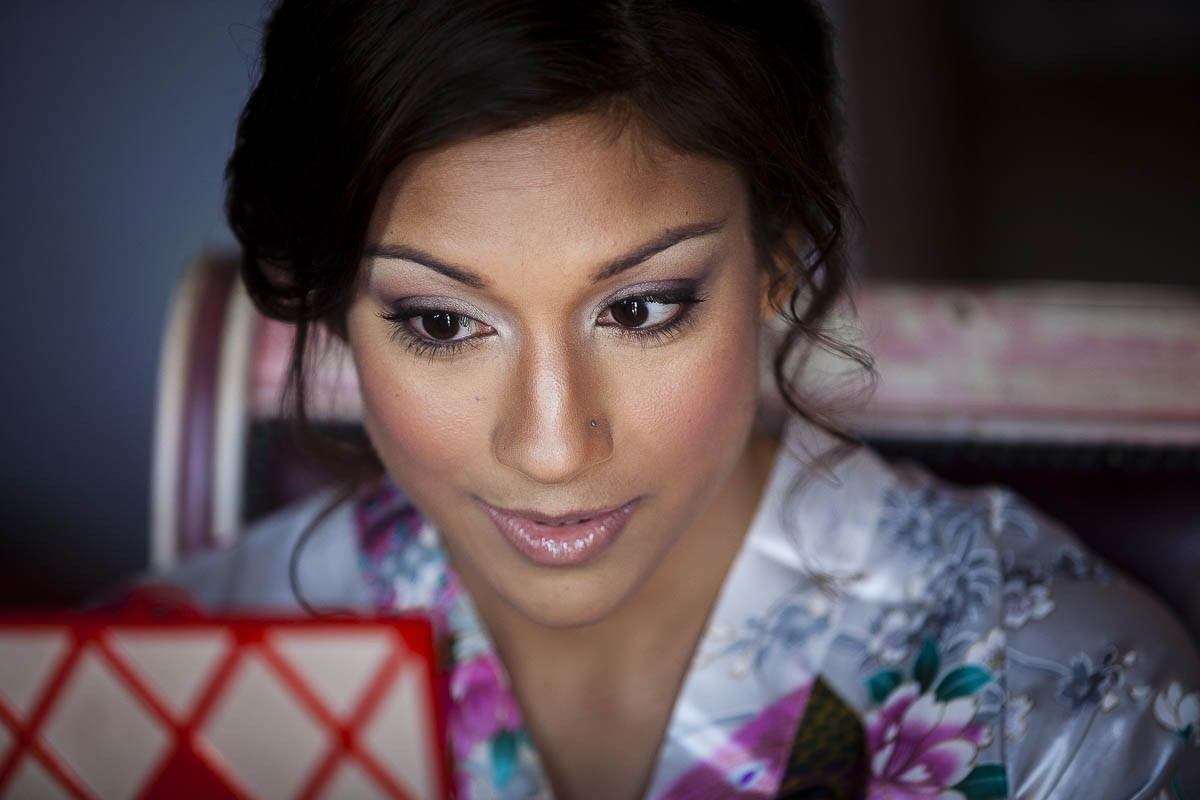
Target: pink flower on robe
920, 747
481, 705
751, 763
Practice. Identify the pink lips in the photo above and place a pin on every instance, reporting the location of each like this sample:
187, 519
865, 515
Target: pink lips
561, 540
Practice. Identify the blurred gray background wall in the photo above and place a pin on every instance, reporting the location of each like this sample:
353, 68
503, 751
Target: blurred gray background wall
117, 120
989, 140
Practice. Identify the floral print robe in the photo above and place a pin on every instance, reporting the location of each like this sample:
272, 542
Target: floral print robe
879, 634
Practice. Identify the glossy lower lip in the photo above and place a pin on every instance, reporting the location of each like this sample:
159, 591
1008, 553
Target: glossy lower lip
561, 545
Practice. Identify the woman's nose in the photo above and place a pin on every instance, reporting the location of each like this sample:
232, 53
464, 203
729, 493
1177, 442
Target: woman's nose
552, 426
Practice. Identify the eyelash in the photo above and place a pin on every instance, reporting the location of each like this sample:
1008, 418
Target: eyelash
686, 299
418, 345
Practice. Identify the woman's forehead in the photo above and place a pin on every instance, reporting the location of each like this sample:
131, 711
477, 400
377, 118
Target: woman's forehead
567, 188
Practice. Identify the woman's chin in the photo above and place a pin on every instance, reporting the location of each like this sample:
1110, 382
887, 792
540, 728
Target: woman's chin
569, 599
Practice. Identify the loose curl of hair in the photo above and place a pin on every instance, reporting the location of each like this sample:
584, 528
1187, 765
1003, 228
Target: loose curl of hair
350, 90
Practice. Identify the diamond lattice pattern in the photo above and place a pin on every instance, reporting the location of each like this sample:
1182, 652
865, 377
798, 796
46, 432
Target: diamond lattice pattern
120, 709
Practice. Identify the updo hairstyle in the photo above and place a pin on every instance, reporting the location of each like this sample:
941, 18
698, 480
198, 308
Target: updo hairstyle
350, 90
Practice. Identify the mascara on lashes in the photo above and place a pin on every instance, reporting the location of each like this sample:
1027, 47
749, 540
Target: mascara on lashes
684, 294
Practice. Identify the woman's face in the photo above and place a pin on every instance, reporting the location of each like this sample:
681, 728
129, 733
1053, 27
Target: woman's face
556, 335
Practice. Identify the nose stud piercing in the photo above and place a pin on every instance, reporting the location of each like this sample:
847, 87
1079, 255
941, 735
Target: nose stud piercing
592, 423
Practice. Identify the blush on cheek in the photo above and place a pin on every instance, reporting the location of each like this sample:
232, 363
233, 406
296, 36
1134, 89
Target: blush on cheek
420, 427
721, 401
698, 411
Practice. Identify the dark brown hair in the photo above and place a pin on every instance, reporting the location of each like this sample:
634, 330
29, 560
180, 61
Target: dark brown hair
350, 90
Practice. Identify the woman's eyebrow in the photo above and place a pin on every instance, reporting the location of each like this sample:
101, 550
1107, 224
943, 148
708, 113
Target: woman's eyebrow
404, 252
664, 241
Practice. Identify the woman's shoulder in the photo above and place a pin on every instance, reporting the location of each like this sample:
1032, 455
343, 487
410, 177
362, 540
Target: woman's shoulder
308, 547
1081, 682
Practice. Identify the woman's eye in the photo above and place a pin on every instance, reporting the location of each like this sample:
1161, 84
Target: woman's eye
443, 326
434, 331
643, 312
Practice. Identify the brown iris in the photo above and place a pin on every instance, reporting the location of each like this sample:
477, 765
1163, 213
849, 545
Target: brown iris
631, 313
440, 325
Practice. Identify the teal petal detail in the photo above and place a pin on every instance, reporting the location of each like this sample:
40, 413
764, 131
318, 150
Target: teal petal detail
881, 684
504, 757
927, 666
961, 682
985, 782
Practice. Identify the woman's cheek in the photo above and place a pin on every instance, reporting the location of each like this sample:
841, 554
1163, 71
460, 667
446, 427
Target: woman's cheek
700, 402
422, 424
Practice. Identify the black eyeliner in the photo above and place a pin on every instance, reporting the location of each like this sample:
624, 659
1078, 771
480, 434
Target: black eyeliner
682, 292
